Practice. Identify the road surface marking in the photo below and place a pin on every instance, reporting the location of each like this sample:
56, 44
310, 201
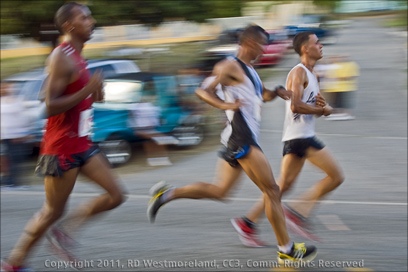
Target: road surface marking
332, 222
347, 135
135, 196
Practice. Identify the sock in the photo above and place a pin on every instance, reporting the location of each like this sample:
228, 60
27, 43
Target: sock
249, 223
286, 248
167, 195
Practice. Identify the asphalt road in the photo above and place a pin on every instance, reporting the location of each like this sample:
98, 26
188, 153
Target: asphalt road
363, 224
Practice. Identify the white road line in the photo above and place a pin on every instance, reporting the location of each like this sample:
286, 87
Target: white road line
335, 202
134, 196
348, 135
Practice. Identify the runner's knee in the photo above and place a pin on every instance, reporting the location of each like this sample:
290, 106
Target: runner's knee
272, 192
221, 195
285, 185
216, 192
338, 179
117, 198
50, 214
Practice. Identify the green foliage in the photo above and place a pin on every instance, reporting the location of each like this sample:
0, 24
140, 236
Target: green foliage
329, 4
154, 12
26, 16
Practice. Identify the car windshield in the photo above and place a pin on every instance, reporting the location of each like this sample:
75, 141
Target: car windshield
32, 90
28, 89
123, 92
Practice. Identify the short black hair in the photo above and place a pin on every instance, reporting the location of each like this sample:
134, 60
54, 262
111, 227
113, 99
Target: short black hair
64, 13
300, 39
254, 32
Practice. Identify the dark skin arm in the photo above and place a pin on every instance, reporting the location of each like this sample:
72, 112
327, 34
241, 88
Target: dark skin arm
279, 91
297, 82
60, 76
226, 73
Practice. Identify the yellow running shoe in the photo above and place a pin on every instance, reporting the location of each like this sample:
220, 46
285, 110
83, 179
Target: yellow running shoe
300, 253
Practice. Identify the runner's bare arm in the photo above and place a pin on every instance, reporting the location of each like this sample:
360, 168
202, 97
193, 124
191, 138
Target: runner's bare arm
297, 82
225, 74
279, 91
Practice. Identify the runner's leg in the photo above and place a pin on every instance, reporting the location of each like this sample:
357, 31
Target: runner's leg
97, 169
226, 178
57, 191
324, 160
257, 167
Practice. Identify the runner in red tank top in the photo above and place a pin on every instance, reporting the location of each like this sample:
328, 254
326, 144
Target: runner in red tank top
66, 150
63, 131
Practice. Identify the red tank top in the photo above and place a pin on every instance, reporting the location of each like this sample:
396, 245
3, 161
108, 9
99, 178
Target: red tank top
67, 132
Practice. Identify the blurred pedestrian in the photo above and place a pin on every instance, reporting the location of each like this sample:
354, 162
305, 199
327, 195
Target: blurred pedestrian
342, 86
300, 143
66, 149
145, 119
244, 94
15, 133
189, 80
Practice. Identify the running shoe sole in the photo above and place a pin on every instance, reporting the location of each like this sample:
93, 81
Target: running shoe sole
309, 258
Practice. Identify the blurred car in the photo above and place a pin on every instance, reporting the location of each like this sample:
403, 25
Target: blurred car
114, 128
316, 23
229, 36
278, 45
225, 45
112, 66
207, 60
29, 85
274, 51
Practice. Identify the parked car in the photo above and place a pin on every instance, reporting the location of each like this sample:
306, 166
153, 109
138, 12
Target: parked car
113, 127
28, 86
275, 50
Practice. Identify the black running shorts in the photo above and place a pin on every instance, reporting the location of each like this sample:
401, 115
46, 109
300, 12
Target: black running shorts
56, 165
299, 146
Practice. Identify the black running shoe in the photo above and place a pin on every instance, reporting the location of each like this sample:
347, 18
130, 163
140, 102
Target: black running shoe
300, 253
156, 201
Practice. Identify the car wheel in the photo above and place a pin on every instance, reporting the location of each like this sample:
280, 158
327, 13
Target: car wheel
189, 135
118, 151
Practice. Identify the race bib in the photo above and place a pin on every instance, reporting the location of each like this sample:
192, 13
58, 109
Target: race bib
85, 123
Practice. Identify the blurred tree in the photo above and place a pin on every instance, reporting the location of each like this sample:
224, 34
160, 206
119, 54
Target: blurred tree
154, 12
30, 18
27, 17
331, 5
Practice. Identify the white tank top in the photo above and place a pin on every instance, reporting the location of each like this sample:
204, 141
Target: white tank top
251, 103
296, 125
